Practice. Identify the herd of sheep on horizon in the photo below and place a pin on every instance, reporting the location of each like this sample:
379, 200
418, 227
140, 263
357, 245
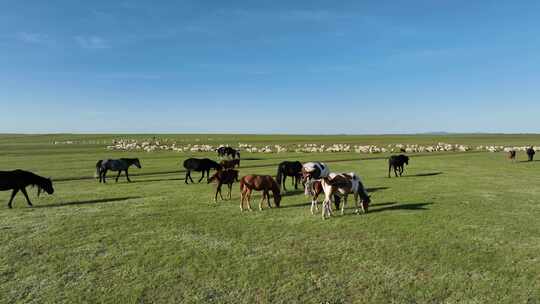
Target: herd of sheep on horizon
157, 145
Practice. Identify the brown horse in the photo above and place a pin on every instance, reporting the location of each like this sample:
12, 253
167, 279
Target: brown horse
230, 164
227, 177
263, 183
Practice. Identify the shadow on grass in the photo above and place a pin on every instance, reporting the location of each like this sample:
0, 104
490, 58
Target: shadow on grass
298, 205
161, 180
375, 189
292, 192
393, 207
423, 174
97, 201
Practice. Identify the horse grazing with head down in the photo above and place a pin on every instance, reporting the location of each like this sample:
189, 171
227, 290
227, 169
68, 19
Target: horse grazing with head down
224, 177
203, 165
397, 162
263, 183
343, 185
18, 180
122, 164
289, 168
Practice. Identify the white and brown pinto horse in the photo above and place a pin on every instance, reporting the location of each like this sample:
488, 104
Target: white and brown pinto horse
343, 185
312, 173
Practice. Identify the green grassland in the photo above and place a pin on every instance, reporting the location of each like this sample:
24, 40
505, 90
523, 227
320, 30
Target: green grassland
459, 228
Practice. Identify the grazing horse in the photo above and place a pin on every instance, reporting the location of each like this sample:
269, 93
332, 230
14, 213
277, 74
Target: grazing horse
263, 183
512, 155
122, 164
289, 168
228, 151
230, 164
227, 177
397, 162
343, 185
18, 180
530, 153
203, 165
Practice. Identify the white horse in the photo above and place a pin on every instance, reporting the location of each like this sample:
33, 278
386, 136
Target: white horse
343, 185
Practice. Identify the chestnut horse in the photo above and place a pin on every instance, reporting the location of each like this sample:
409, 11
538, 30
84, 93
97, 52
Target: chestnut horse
263, 183
227, 177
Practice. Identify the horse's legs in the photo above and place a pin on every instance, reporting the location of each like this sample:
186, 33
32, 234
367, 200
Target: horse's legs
284, 179
105, 176
262, 200
127, 176
396, 171
12, 197
202, 176
248, 196
357, 202
218, 189
343, 205
314, 201
230, 189
23, 190
118, 176
389, 170
268, 198
242, 197
188, 173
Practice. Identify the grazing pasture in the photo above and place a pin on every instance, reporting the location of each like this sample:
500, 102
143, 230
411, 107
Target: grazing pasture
457, 227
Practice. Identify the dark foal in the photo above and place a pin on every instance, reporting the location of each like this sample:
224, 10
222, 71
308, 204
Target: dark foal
397, 162
224, 177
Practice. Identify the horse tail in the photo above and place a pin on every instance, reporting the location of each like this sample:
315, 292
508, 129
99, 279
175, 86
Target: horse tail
98, 168
279, 176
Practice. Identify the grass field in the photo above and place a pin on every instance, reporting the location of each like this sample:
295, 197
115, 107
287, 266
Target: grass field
459, 228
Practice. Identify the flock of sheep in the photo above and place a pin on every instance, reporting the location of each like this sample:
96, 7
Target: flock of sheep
152, 146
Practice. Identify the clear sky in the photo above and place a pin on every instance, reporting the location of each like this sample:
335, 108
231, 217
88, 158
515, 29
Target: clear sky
270, 66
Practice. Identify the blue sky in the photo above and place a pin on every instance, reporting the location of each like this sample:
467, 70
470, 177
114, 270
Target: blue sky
320, 67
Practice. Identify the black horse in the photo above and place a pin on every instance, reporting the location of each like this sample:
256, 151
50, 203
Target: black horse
397, 162
18, 180
289, 168
530, 153
203, 165
122, 164
228, 151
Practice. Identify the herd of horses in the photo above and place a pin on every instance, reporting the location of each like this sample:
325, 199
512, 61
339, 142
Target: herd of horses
315, 177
